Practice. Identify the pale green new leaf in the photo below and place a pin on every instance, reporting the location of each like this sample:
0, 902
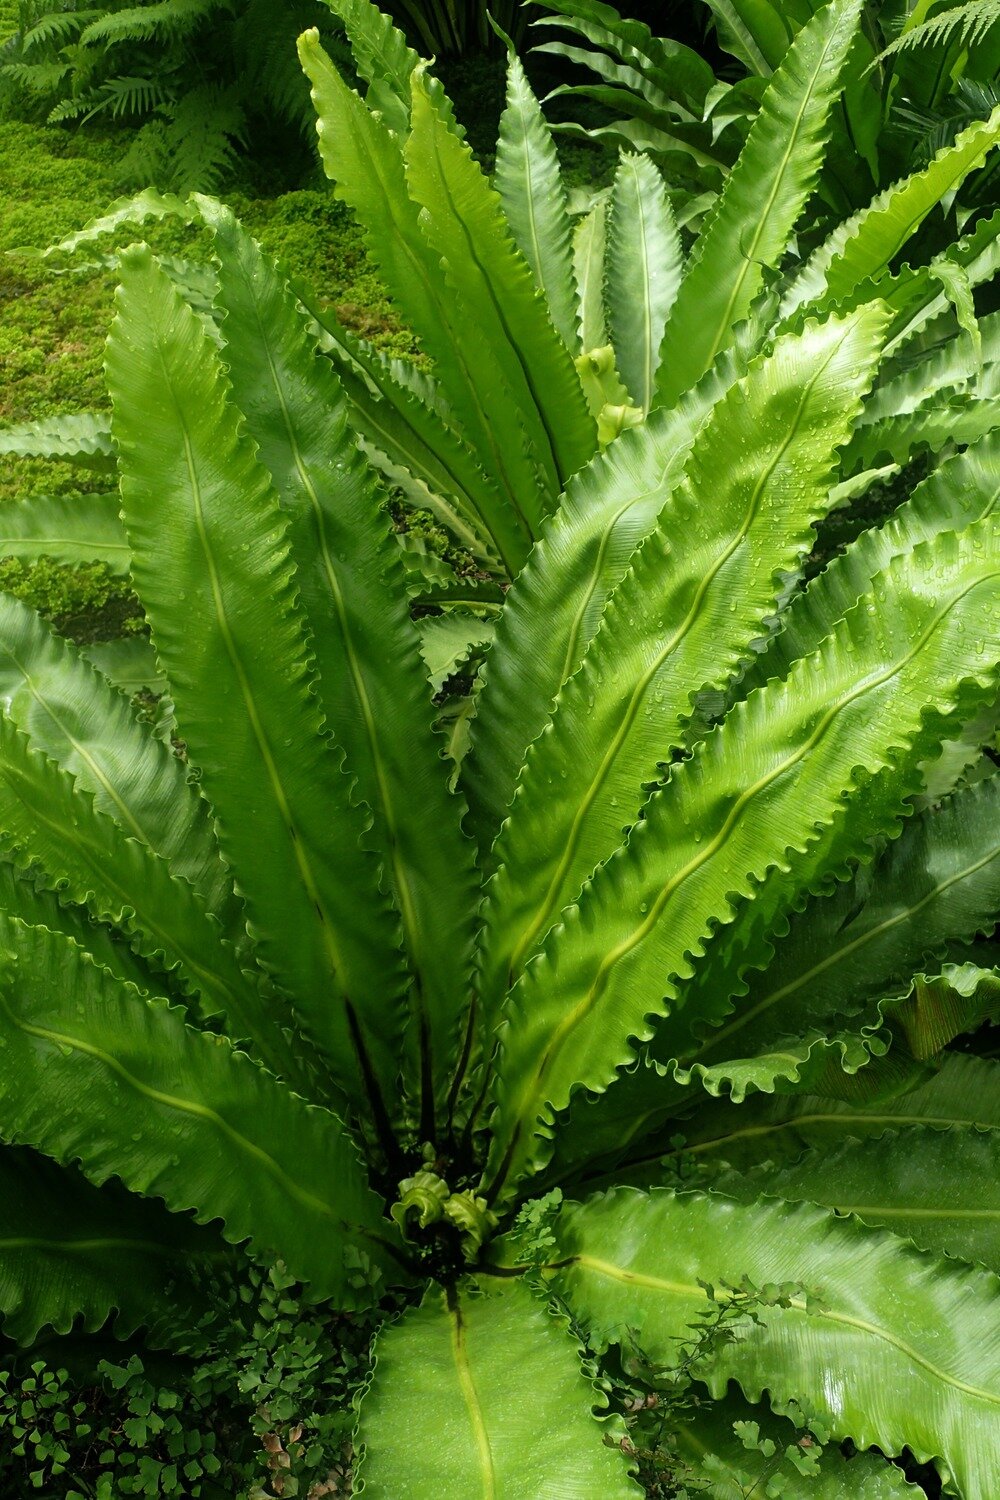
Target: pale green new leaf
749, 228
643, 268
887, 1345
496, 1377
696, 591
863, 246
70, 529
759, 790
71, 1253
589, 250
371, 684
95, 1074
448, 640
207, 532
529, 181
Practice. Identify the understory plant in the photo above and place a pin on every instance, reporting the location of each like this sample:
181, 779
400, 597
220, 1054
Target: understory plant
919, 74
613, 1046
197, 78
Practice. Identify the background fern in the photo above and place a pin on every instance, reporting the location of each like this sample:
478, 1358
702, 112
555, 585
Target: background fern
200, 78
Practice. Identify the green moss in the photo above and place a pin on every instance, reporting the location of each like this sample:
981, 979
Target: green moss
86, 603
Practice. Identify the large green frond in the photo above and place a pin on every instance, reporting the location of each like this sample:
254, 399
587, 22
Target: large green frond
413, 444
862, 246
70, 529
371, 681
529, 181
71, 1254
496, 1377
52, 830
939, 882
760, 788
366, 164
213, 567
963, 489
938, 1188
888, 1345
71, 713
750, 226
643, 269
581, 556
96, 1074
699, 587
463, 221
964, 1092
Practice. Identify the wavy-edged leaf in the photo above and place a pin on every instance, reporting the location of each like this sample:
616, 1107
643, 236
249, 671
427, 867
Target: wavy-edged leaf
69, 529
945, 418
529, 181
96, 1074
214, 571
22, 899
888, 1345
699, 586
415, 447
129, 664
496, 1375
71, 1253
50, 828
382, 56
350, 577
863, 245
963, 489
366, 164
589, 250
643, 269
750, 225
131, 211
938, 882
938, 1188
581, 556
463, 220
77, 437
70, 713
964, 1092
761, 788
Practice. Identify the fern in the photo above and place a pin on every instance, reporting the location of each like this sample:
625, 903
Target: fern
192, 75
964, 24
